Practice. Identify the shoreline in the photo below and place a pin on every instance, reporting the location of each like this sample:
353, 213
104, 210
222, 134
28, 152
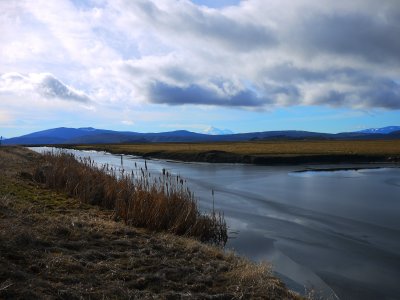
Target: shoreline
225, 199
216, 156
59, 243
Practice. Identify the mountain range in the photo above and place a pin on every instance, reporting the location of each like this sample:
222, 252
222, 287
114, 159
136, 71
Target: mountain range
383, 130
89, 135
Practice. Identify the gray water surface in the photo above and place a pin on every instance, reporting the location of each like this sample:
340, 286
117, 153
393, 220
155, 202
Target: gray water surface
335, 231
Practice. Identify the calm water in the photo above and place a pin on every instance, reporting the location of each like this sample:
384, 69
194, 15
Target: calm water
335, 231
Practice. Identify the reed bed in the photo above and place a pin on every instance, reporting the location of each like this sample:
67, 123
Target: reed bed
159, 203
267, 148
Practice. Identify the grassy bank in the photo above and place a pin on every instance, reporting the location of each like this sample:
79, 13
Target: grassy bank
53, 245
159, 203
267, 153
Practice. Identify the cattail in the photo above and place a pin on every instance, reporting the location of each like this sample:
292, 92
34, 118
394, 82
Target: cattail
160, 204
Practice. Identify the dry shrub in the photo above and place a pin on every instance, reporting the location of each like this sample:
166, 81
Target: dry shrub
250, 274
162, 203
251, 279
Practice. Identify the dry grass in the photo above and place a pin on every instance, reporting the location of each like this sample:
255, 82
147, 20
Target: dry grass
250, 275
56, 247
374, 147
163, 203
264, 153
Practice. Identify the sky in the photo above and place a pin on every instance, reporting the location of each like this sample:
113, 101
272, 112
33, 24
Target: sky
163, 65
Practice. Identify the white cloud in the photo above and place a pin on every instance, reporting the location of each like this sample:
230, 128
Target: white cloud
5, 118
260, 54
39, 85
127, 122
202, 54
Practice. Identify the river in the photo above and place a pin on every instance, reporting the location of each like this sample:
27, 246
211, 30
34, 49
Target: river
335, 231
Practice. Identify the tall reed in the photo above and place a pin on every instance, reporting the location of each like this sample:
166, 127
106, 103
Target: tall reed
160, 203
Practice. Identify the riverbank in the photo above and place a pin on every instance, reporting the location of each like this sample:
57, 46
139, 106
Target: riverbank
262, 153
55, 246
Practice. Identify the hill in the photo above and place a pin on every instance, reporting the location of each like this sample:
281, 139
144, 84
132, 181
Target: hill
88, 135
383, 130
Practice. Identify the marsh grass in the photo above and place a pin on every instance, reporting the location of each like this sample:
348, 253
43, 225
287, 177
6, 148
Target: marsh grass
280, 152
159, 203
267, 148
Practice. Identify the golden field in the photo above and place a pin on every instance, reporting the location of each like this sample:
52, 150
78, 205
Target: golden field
370, 151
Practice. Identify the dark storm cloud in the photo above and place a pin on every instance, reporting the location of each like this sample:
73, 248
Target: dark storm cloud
290, 73
243, 37
335, 98
383, 93
53, 88
267, 94
373, 93
373, 38
362, 89
160, 92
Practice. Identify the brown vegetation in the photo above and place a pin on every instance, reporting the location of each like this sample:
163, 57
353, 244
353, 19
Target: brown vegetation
56, 247
266, 152
162, 203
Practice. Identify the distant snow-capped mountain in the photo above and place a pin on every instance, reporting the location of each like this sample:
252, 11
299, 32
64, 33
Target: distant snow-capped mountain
216, 131
383, 130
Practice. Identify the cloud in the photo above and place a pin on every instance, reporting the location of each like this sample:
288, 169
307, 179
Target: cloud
128, 122
40, 85
212, 26
51, 87
160, 92
257, 54
5, 118
383, 93
345, 87
359, 34
303, 53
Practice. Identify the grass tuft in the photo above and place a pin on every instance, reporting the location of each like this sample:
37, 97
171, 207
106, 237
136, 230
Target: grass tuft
161, 203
